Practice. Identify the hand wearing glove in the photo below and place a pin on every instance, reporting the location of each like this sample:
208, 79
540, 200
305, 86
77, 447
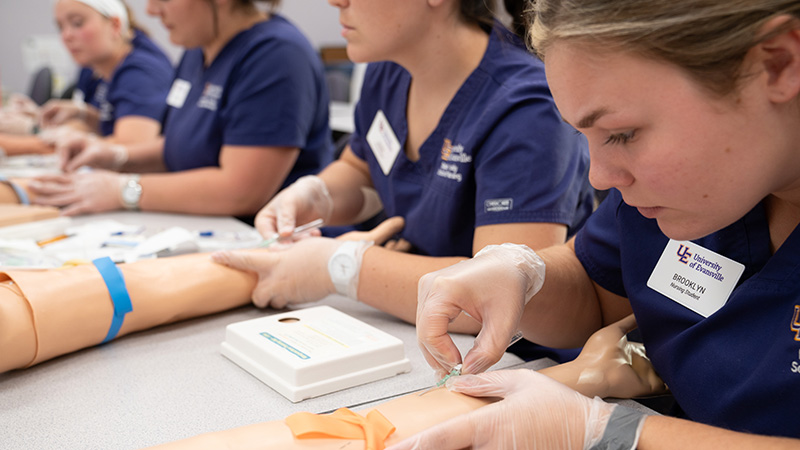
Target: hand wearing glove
24, 105
535, 412
301, 202
306, 271
58, 112
83, 193
493, 288
78, 149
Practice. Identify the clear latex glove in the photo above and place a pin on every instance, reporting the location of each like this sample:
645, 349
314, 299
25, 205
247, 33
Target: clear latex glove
535, 412
611, 366
12, 122
493, 287
22, 104
79, 193
301, 202
78, 149
290, 274
57, 112
55, 135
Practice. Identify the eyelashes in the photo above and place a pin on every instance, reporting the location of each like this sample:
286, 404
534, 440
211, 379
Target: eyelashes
620, 138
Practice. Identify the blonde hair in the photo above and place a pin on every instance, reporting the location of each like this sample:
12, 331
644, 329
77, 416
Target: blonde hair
707, 38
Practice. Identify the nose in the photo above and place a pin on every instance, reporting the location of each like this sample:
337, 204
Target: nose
152, 8
338, 3
608, 169
66, 34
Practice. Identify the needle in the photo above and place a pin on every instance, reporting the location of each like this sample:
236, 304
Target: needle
456, 371
301, 229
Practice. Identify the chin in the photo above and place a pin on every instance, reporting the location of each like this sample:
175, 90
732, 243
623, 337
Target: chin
686, 230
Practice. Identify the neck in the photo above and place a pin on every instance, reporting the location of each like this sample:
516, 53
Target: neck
230, 24
106, 67
445, 58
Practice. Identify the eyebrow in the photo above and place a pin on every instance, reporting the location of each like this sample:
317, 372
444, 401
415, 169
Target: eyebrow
588, 120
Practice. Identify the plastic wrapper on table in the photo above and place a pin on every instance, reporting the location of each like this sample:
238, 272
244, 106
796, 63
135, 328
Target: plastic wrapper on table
48, 313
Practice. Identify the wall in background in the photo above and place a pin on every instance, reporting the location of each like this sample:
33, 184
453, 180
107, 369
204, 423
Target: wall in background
27, 27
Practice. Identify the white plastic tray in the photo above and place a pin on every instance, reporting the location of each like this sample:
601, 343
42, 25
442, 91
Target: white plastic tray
311, 352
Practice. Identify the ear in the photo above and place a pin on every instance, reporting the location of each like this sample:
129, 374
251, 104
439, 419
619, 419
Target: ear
433, 3
779, 58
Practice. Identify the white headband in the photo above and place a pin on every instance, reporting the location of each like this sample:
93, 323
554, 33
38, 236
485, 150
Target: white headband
110, 8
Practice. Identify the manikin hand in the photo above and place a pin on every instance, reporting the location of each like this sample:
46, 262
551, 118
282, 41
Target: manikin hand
492, 287
301, 202
81, 193
611, 366
382, 234
535, 412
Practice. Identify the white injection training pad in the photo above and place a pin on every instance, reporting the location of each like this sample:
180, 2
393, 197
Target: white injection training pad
314, 351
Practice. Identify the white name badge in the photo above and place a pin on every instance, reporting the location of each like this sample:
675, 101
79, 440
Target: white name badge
383, 141
695, 277
178, 93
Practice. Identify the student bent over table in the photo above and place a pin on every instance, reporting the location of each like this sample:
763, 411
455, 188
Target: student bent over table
691, 112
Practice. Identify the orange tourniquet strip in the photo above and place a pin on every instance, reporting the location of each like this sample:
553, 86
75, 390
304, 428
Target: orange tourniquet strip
342, 424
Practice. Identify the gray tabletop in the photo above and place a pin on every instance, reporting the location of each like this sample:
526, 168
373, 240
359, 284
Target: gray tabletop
172, 382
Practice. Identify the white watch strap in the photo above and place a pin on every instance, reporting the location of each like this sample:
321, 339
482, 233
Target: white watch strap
355, 251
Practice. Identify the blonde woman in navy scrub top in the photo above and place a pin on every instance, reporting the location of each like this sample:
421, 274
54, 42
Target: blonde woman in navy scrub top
247, 114
122, 86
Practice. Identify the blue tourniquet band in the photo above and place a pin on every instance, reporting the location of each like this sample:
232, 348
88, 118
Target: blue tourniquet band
21, 194
119, 293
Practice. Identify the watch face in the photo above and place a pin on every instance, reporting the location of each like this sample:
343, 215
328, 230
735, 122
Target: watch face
343, 267
131, 193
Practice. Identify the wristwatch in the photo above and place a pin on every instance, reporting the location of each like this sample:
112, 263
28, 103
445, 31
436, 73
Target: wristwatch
131, 192
343, 267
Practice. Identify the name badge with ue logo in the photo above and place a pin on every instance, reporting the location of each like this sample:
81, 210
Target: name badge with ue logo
383, 141
695, 277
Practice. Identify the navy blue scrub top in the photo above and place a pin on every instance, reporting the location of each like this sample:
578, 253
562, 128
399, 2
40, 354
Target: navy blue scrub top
265, 88
138, 86
499, 154
738, 368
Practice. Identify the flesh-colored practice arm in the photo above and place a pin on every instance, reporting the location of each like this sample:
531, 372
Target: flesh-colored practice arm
409, 414
24, 145
48, 313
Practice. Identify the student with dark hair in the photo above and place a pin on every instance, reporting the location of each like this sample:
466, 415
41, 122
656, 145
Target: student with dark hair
458, 134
